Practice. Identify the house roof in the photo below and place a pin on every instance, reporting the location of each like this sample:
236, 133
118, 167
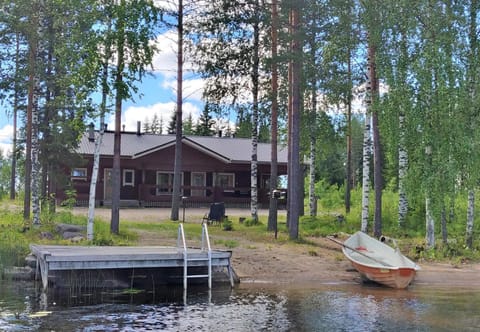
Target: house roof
227, 149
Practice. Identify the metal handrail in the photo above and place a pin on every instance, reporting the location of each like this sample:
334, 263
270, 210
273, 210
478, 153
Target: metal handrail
181, 237
182, 246
206, 240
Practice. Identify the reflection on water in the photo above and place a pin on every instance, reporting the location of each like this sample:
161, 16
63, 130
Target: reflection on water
326, 308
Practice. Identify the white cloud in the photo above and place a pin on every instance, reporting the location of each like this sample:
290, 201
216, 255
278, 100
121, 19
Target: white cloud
192, 88
6, 136
163, 111
165, 60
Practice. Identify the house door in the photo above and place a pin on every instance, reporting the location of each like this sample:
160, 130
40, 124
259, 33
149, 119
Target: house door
198, 180
107, 184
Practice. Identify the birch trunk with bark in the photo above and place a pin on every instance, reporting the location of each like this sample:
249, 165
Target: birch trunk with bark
472, 84
470, 219
93, 182
430, 225
377, 146
402, 172
311, 189
348, 171
35, 158
98, 144
312, 134
367, 148
254, 161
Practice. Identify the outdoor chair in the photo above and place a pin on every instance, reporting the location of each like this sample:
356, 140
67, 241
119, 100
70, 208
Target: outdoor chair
215, 215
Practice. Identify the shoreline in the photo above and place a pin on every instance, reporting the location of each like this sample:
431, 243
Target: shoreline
292, 265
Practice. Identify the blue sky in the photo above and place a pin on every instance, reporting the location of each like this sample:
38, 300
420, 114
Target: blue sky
159, 94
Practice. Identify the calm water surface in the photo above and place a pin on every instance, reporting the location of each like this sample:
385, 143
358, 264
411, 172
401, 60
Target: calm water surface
347, 307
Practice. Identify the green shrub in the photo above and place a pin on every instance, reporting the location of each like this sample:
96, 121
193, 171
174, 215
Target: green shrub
227, 225
251, 222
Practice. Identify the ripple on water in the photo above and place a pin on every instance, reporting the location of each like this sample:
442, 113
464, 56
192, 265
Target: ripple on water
330, 308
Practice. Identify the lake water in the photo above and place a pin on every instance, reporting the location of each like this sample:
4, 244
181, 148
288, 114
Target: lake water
328, 307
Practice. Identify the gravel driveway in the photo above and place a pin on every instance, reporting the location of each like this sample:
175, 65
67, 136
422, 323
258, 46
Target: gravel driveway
161, 214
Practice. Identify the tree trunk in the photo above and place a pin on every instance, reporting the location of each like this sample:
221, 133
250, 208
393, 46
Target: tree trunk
98, 144
294, 162
311, 189
444, 225
348, 171
366, 172
402, 173
290, 185
93, 181
35, 157
177, 170
254, 163
470, 219
472, 85
13, 177
402, 152
273, 208
116, 178
32, 57
430, 226
312, 133
377, 153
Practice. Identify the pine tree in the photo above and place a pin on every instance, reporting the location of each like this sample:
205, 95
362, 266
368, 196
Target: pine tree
205, 122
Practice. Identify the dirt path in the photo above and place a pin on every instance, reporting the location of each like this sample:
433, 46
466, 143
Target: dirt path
296, 265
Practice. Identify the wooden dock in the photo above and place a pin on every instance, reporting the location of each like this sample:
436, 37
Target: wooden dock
63, 258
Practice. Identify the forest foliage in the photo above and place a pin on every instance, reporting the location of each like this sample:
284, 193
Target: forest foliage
426, 61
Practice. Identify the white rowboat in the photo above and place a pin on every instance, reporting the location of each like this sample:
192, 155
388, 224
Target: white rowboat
378, 262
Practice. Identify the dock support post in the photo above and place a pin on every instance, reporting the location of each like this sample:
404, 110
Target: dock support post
43, 271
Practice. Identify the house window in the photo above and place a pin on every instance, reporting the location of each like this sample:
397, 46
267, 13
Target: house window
198, 179
165, 183
128, 177
225, 180
79, 174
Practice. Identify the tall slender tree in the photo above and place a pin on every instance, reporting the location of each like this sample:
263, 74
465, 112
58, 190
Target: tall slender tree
31, 104
177, 168
272, 211
133, 27
99, 139
255, 113
295, 171
16, 102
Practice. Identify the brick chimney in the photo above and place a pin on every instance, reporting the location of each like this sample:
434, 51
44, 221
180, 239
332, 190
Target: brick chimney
91, 132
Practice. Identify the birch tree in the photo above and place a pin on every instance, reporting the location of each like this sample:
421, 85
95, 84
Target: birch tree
31, 155
471, 118
98, 139
367, 151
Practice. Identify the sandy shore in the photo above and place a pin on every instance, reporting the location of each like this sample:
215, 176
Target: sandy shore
294, 265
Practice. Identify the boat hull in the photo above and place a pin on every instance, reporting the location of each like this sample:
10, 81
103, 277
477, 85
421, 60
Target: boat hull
378, 262
395, 278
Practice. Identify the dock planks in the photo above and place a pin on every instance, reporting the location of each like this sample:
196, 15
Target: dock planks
56, 257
